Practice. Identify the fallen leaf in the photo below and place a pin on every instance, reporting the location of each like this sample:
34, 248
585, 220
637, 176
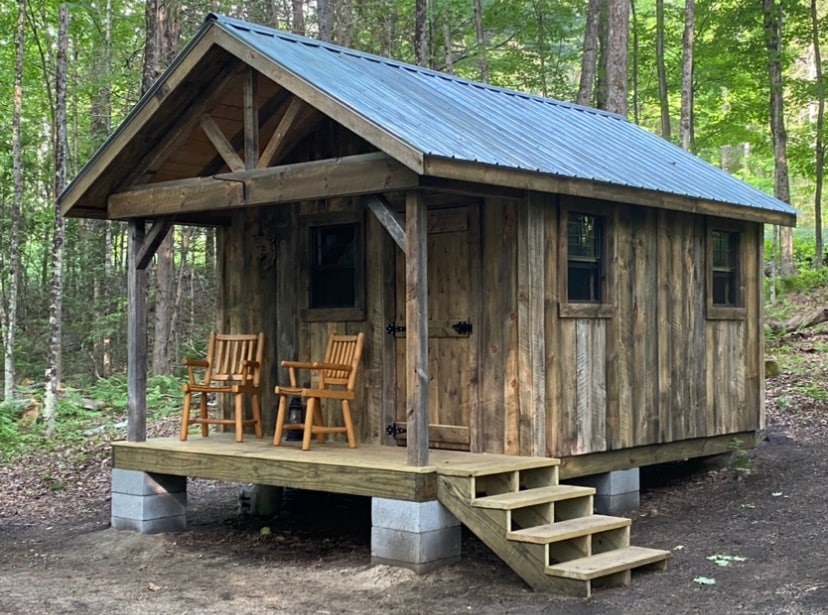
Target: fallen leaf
704, 581
153, 587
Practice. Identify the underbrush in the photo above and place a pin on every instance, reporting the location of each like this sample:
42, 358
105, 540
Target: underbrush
83, 417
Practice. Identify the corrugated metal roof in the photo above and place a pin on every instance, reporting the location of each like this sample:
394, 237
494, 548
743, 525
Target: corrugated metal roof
444, 116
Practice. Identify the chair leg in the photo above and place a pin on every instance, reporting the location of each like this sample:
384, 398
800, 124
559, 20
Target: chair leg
205, 427
319, 420
349, 423
239, 417
280, 420
185, 416
309, 413
256, 403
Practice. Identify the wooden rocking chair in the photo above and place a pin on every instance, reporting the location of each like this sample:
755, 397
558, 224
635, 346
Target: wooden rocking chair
234, 366
336, 379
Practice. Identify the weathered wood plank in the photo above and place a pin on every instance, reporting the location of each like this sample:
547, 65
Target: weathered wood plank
416, 323
136, 337
157, 233
638, 456
251, 119
554, 351
474, 310
347, 176
531, 341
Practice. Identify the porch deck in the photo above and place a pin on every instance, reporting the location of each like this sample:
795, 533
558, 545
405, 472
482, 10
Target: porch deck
369, 470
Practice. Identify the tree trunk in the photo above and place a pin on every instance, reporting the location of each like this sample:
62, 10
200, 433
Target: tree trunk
480, 33
663, 94
819, 148
53, 372
601, 93
590, 53
781, 183
168, 31
17, 205
298, 25
323, 16
686, 121
617, 56
421, 42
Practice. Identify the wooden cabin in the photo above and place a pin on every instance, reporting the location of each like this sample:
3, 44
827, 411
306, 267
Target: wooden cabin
547, 291
572, 285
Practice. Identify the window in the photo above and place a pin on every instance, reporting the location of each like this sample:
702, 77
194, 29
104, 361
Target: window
725, 268
586, 249
333, 267
725, 271
585, 261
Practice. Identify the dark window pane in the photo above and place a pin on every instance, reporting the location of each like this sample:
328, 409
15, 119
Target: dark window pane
585, 258
333, 273
725, 268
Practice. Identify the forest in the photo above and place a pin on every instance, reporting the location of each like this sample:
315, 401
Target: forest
738, 84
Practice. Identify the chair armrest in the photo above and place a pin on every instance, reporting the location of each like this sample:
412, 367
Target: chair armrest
196, 363
249, 368
192, 365
297, 364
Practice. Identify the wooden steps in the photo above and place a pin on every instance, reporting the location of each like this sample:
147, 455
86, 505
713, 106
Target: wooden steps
605, 564
571, 528
546, 532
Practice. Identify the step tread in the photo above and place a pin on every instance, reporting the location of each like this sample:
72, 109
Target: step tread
571, 528
488, 467
603, 564
530, 497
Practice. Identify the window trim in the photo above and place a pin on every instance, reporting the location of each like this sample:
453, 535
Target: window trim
718, 311
606, 307
332, 314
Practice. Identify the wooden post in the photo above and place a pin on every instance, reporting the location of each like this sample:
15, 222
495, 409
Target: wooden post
136, 337
251, 121
416, 328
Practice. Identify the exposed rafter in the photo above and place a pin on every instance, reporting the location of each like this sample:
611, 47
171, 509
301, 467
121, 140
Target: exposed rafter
220, 142
277, 142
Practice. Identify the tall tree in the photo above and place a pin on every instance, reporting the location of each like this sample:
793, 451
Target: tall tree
166, 26
819, 146
480, 36
325, 20
661, 69
617, 56
781, 183
590, 53
686, 120
297, 25
17, 205
61, 145
421, 39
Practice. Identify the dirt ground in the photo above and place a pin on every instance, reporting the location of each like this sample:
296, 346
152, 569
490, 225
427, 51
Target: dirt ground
57, 554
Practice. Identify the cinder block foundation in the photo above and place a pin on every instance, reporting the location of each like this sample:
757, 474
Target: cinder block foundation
420, 536
616, 493
148, 503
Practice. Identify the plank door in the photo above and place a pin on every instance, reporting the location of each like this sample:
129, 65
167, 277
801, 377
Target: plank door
453, 272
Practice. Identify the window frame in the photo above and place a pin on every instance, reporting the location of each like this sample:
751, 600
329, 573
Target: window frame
332, 314
719, 311
605, 306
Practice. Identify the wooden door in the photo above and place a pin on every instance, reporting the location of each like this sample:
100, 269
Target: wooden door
453, 271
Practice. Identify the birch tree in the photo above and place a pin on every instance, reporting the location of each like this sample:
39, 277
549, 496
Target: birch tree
686, 119
819, 145
17, 205
53, 372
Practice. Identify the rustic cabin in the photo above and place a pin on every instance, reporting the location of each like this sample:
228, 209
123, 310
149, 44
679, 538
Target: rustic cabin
546, 291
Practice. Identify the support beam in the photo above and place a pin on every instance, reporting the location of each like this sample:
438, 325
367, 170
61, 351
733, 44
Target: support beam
390, 219
251, 121
320, 179
277, 141
157, 233
416, 326
136, 337
220, 142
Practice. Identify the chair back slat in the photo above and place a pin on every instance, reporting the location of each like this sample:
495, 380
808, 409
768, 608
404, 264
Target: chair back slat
228, 354
342, 350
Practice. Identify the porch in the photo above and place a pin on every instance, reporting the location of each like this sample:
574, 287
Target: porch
545, 531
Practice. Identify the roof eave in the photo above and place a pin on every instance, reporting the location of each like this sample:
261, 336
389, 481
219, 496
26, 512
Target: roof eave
545, 182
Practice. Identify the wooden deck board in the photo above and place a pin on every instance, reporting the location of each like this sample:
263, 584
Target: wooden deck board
368, 470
